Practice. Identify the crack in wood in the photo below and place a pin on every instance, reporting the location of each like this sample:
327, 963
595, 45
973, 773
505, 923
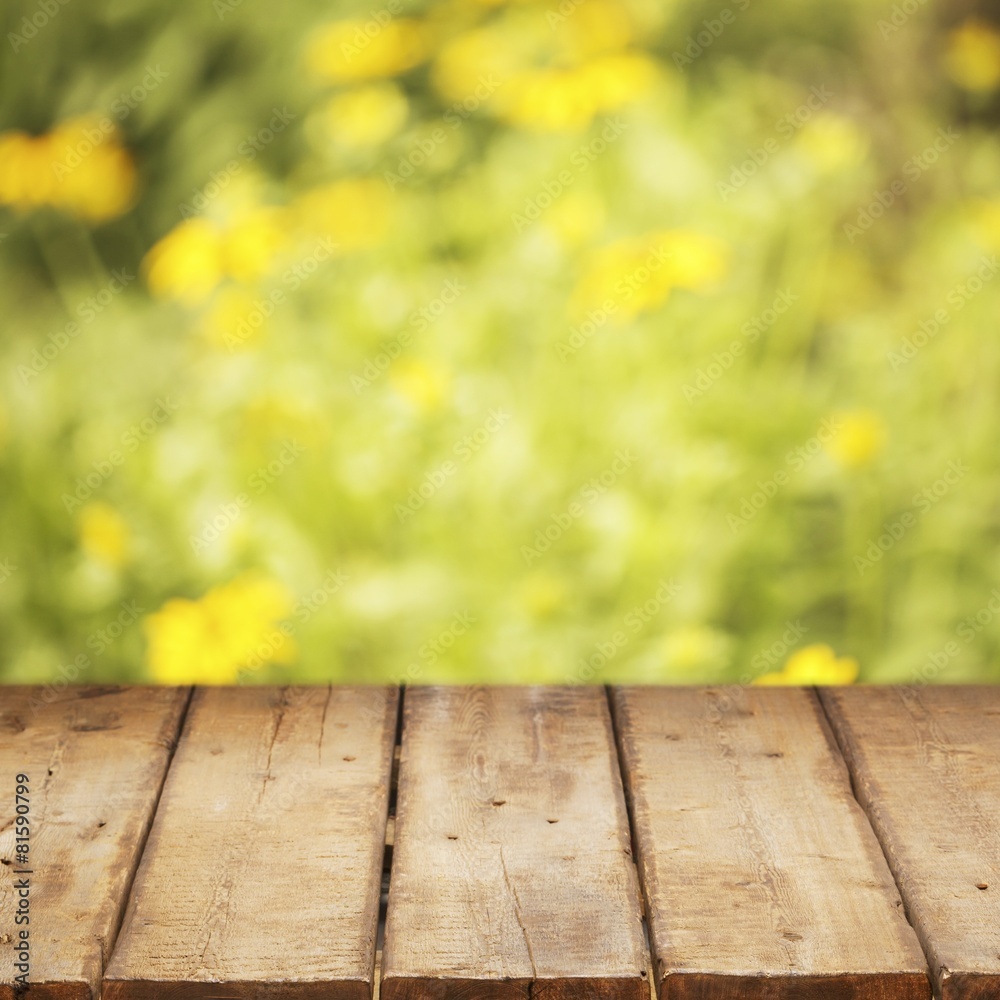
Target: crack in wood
322, 723
281, 706
518, 915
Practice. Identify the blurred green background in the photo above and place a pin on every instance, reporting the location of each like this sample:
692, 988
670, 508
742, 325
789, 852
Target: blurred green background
590, 340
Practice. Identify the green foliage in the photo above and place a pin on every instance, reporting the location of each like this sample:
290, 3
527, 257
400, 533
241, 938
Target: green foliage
454, 459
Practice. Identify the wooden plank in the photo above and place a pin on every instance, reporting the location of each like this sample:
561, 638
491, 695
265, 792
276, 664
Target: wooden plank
512, 873
261, 875
926, 767
95, 758
762, 876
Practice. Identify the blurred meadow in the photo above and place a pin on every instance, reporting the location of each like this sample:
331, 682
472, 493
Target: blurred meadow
541, 341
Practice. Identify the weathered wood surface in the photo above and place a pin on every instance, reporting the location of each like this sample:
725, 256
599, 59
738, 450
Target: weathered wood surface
926, 767
95, 758
763, 878
512, 874
261, 876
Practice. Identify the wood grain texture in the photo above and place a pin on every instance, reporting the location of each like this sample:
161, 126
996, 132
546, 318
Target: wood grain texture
926, 767
261, 875
512, 873
762, 876
96, 758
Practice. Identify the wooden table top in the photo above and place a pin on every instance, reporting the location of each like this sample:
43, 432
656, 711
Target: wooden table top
503, 843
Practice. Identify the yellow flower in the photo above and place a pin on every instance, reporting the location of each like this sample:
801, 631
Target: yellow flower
96, 185
594, 26
187, 263
251, 241
474, 4
104, 535
233, 627
366, 116
637, 275
833, 141
630, 274
464, 62
859, 437
353, 213
615, 80
364, 50
424, 385
985, 217
972, 58
695, 260
195, 256
79, 167
26, 179
816, 664
548, 100
554, 100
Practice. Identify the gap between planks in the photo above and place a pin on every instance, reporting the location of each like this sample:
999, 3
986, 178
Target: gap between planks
857, 798
72, 963
390, 827
684, 960
616, 736
834, 732
171, 752
924, 758
839, 738
390, 836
